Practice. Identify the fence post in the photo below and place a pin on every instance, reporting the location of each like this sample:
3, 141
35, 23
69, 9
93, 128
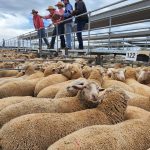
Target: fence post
57, 35
30, 41
89, 28
110, 23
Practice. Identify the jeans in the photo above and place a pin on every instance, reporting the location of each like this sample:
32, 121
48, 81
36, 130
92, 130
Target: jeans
60, 31
42, 35
80, 27
68, 31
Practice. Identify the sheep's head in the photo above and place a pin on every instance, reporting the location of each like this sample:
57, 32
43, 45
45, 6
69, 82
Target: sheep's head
86, 71
88, 92
51, 69
130, 73
71, 71
117, 74
143, 75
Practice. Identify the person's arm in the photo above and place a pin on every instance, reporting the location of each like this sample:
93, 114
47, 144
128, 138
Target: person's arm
79, 8
68, 12
46, 17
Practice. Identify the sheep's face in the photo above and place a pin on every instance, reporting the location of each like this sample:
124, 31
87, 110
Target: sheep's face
71, 71
143, 75
76, 85
118, 74
88, 92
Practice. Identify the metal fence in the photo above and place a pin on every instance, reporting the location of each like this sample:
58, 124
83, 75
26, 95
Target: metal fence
105, 30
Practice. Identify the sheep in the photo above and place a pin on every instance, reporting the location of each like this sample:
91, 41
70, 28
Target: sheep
8, 73
52, 90
12, 100
133, 112
49, 80
130, 75
30, 73
138, 100
86, 98
38, 131
71, 71
129, 135
143, 76
95, 76
116, 74
7, 80
81, 61
18, 88
86, 71
53, 68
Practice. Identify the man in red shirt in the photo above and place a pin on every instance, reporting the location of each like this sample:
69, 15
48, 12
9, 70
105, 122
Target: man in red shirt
39, 26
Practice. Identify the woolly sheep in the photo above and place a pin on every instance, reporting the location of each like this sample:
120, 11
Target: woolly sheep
12, 100
130, 75
38, 131
49, 80
87, 97
143, 76
52, 90
86, 71
129, 135
18, 88
71, 71
95, 76
109, 82
30, 73
134, 113
138, 100
8, 73
53, 68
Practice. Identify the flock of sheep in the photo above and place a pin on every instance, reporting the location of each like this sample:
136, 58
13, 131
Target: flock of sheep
64, 106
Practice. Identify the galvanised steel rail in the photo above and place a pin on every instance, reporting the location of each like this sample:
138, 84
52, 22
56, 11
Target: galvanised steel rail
105, 20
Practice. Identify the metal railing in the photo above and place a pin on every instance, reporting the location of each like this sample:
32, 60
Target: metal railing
30, 40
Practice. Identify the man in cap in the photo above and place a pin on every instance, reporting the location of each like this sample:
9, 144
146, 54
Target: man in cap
56, 18
39, 26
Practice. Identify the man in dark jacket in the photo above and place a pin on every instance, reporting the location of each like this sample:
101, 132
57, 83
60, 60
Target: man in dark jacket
80, 8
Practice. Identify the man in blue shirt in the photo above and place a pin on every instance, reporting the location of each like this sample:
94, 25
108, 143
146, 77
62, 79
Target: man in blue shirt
68, 23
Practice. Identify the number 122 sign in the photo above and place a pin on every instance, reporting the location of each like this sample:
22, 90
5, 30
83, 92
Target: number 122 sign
131, 55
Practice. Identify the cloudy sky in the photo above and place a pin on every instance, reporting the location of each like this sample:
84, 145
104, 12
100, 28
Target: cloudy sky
16, 18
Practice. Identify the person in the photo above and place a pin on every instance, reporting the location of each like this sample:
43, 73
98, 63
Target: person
39, 26
56, 18
68, 23
80, 8
61, 29
3, 43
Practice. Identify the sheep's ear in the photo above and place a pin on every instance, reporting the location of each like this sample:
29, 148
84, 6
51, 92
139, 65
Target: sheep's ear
78, 87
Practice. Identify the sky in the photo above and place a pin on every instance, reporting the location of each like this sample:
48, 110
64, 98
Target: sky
16, 18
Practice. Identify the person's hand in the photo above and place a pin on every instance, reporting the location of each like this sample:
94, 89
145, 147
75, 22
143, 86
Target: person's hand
74, 12
41, 16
